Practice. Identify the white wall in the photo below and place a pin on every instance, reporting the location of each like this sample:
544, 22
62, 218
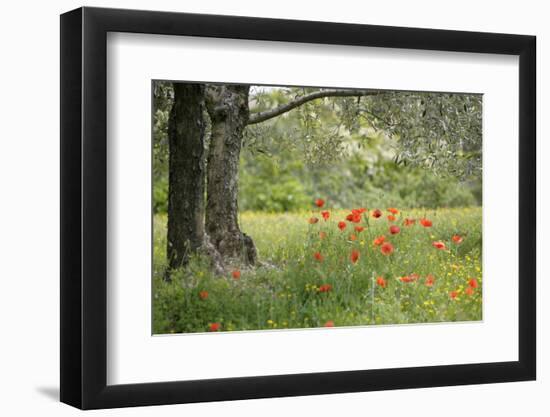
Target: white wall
29, 177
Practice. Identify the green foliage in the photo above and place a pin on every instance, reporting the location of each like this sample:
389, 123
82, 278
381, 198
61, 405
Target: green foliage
279, 197
282, 182
438, 131
163, 96
314, 130
409, 187
361, 151
268, 185
160, 194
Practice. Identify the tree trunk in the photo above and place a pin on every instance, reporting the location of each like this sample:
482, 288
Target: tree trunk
186, 174
228, 109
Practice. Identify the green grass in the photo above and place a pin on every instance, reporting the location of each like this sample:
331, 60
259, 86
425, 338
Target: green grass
284, 292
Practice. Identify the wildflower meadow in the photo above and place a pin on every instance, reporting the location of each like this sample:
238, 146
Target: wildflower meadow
330, 268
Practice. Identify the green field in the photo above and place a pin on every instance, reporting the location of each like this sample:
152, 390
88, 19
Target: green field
315, 275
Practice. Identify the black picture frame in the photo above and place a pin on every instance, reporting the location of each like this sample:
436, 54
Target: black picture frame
84, 207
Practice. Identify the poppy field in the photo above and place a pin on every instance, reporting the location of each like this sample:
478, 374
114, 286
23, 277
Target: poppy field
325, 267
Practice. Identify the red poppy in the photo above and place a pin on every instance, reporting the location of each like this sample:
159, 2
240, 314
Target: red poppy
325, 214
379, 240
318, 256
203, 295
313, 220
472, 282
319, 202
322, 235
214, 327
329, 323
469, 291
453, 294
393, 210
391, 217
342, 225
426, 223
381, 282
457, 239
439, 245
325, 288
352, 237
236, 274
354, 217
409, 222
394, 230
354, 255
410, 278
376, 214
386, 248
359, 229
430, 280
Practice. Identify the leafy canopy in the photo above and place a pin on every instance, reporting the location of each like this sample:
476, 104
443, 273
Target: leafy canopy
439, 131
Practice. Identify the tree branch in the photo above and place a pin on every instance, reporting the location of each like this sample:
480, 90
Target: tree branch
277, 111
387, 122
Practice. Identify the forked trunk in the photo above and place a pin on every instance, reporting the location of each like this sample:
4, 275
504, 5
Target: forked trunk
228, 110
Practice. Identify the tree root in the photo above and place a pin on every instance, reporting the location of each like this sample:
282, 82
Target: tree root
216, 260
250, 251
220, 264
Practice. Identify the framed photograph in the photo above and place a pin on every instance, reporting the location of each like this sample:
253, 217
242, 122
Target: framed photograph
258, 208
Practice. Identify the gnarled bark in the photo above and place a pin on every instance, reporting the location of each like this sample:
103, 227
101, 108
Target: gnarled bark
186, 174
228, 109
